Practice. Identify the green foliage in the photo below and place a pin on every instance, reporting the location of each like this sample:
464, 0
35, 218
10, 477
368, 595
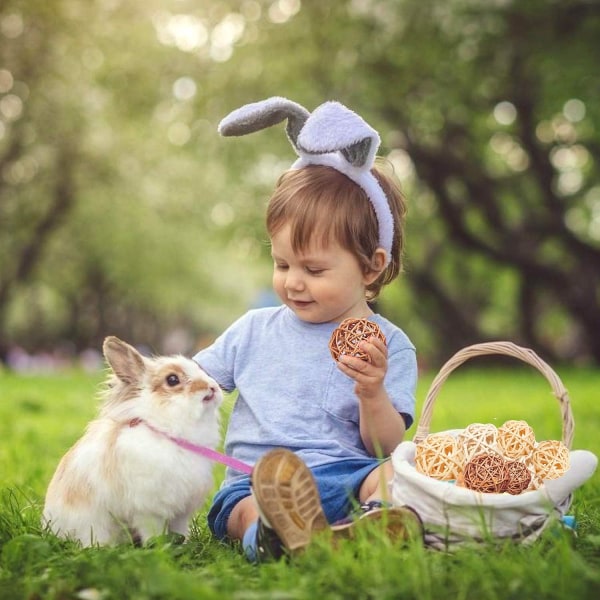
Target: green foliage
122, 211
111, 179
41, 416
478, 117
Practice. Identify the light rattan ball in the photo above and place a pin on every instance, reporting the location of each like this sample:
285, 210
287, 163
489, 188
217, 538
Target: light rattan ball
346, 338
477, 438
516, 440
519, 477
436, 456
486, 473
550, 460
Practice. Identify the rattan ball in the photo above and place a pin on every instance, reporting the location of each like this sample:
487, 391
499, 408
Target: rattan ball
486, 473
550, 460
477, 438
436, 456
346, 338
519, 477
516, 440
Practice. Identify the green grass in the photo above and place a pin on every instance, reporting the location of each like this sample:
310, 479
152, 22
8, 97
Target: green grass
40, 417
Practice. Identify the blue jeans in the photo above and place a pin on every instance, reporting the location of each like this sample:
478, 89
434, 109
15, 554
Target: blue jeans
338, 484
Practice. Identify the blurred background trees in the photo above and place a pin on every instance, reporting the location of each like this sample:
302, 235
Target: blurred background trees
122, 211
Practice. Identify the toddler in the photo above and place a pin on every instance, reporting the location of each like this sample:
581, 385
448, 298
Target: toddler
318, 432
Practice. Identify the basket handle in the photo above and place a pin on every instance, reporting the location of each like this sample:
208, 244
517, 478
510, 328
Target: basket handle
509, 349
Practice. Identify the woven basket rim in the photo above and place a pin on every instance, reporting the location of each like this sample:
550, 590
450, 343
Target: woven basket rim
503, 348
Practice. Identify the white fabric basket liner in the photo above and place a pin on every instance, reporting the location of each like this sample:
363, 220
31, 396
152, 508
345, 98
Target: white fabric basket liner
452, 513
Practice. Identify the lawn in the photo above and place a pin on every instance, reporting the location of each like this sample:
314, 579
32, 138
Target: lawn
41, 416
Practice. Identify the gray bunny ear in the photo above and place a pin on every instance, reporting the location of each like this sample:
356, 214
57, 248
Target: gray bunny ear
260, 115
332, 127
357, 154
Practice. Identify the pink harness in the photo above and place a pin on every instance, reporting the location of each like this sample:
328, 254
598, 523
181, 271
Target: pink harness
209, 453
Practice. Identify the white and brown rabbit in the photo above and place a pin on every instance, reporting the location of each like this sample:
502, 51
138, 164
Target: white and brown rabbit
127, 477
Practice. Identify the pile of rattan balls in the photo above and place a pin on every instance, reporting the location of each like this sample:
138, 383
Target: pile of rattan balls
492, 460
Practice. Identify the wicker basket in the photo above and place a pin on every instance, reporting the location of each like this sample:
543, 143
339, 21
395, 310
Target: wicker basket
507, 349
454, 514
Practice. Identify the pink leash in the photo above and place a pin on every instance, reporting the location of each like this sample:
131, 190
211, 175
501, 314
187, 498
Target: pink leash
205, 451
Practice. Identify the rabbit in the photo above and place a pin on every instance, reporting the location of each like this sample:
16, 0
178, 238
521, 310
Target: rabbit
127, 478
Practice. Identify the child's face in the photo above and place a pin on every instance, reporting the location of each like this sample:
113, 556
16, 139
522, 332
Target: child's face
323, 284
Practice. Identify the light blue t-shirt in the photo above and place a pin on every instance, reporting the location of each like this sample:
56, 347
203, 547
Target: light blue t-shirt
290, 391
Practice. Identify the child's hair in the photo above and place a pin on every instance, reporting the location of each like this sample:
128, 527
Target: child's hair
320, 201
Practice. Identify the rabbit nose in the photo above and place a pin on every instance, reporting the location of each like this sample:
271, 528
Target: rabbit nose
211, 394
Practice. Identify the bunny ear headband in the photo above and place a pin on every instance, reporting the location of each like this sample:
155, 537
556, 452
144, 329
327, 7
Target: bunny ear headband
333, 136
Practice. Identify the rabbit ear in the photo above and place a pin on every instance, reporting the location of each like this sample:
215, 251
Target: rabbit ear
333, 127
125, 361
260, 115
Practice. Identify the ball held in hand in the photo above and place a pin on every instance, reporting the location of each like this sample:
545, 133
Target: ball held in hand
347, 337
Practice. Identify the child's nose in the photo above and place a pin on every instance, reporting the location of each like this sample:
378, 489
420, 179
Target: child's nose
294, 280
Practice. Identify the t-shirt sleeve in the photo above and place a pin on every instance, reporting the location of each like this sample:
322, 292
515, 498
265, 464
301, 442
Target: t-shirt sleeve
401, 382
218, 359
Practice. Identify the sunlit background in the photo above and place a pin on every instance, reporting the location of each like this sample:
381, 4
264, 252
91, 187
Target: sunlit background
123, 212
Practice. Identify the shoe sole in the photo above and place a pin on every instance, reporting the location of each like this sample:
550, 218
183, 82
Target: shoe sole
287, 498
400, 524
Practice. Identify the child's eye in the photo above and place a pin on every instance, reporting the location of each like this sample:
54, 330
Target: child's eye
280, 267
313, 271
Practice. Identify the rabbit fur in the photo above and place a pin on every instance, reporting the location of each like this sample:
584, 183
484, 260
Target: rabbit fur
124, 478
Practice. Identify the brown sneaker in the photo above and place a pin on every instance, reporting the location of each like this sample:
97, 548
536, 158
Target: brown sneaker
288, 503
400, 523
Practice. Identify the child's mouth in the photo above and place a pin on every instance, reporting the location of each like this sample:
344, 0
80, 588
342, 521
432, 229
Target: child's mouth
300, 303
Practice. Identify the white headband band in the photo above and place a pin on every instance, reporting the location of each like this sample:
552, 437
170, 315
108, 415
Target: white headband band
332, 136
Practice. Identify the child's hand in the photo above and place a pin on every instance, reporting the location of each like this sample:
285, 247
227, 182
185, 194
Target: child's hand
368, 375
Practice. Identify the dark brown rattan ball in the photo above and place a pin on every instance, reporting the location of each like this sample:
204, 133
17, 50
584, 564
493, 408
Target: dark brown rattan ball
520, 477
348, 335
486, 473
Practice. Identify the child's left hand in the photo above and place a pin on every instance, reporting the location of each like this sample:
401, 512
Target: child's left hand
368, 375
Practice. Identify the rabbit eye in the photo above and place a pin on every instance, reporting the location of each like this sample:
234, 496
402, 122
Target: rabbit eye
172, 380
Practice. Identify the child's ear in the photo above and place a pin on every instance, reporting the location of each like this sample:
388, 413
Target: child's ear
377, 265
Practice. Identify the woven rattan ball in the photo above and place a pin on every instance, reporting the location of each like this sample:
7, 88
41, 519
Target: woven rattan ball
516, 440
435, 456
550, 460
477, 438
348, 335
519, 477
486, 473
